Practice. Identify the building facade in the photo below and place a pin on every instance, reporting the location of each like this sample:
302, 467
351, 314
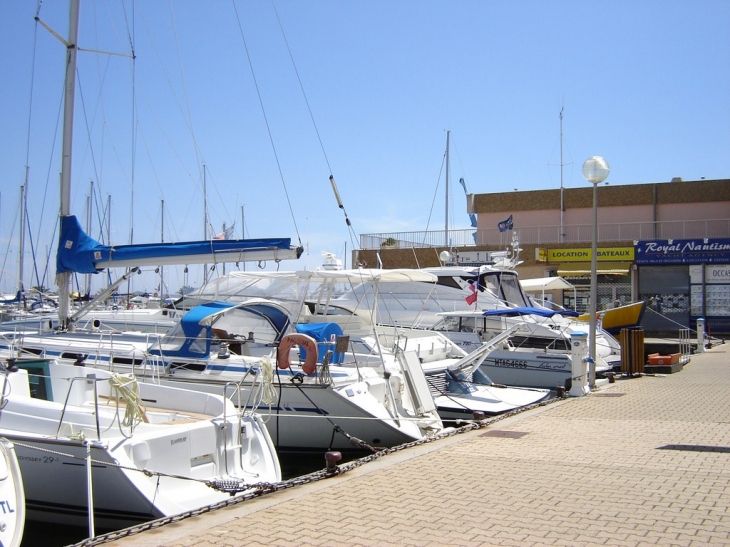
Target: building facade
667, 243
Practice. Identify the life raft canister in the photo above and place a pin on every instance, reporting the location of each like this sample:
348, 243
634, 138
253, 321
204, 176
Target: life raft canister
295, 339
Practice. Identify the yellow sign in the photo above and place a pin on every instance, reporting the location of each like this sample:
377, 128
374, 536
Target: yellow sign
582, 255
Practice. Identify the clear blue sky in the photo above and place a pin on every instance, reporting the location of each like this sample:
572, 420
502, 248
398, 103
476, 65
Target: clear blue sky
644, 84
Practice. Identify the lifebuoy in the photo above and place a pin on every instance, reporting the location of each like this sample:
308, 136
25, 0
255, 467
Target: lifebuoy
296, 339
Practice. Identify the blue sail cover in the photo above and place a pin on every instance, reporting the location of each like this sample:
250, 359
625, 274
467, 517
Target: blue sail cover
512, 312
80, 253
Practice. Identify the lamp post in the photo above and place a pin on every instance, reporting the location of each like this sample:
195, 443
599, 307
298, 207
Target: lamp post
595, 171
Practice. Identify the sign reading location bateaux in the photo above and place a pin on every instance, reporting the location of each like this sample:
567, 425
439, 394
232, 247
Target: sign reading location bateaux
683, 251
583, 255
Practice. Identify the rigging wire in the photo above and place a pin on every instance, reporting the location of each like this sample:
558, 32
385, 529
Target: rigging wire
353, 235
266, 120
27, 154
435, 194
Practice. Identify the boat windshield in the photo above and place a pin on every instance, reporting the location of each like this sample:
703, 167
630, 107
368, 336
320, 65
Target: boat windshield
507, 287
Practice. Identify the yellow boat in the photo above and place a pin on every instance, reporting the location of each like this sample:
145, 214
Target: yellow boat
622, 317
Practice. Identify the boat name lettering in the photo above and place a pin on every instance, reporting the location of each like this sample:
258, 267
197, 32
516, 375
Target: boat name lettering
552, 366
6, 507
178, 440
513, 363
38, 459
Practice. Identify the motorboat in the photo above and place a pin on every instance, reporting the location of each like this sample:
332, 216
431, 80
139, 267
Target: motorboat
472, 304
100, 448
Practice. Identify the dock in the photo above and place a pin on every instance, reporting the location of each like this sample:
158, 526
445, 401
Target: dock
642, 461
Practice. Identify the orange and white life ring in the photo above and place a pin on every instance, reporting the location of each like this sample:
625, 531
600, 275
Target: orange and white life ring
296, 339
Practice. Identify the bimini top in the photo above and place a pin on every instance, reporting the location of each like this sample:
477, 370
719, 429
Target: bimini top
526, 310
191, 337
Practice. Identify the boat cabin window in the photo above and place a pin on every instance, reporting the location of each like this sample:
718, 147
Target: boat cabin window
39, 379
457, 324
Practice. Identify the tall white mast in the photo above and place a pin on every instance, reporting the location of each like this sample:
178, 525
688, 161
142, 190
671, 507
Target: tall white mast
63, 280
21, 246
162, 240
446, 226
205, 224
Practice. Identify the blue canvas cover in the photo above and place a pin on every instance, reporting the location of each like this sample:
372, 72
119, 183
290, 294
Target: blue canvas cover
324, 334
75, 248
542, 312
278, 318
80, 253
189, 338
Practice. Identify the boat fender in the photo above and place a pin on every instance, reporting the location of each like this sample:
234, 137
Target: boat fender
288, 342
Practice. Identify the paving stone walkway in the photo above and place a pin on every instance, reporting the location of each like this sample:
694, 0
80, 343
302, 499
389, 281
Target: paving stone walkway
643, 461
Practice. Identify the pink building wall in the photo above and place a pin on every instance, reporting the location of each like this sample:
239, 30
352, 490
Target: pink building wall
608, 215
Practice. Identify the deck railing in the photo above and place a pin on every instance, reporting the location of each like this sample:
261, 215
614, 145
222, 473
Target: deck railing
542, 235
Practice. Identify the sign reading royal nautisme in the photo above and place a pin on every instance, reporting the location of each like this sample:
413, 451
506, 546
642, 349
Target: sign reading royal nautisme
683, 251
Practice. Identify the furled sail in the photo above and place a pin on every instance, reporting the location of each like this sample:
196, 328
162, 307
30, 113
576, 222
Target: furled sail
80, 253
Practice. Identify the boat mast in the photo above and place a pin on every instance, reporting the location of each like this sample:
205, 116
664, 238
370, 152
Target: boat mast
205, 224
446, 226
89, 216
63, 280
243, 233
21, 246
162, 240
562, 200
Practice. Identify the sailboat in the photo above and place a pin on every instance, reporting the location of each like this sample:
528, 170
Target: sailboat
235, 348
429, 365
100, 448
303, 411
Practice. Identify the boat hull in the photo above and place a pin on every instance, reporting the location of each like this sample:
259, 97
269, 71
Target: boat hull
319, 417
614, 319
528, 369
12, 494
55, 480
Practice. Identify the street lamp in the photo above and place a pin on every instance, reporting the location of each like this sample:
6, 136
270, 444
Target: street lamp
595, 171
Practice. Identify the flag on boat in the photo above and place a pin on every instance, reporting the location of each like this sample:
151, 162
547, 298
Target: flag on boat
472, 298
226, 233
505, 224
